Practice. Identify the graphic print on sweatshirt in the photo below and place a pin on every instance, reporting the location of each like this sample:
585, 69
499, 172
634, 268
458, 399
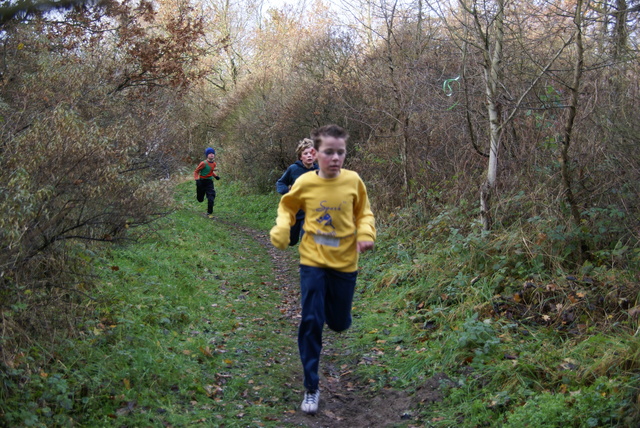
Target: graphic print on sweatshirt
325, 220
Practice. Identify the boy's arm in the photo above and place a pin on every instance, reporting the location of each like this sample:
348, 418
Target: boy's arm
365, 221
196, 173
283, 183
216, 176
287, 208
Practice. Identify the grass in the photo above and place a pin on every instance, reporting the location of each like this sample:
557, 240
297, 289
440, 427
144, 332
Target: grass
187, 331
453, 304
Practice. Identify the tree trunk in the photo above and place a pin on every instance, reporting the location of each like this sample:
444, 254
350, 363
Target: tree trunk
401, 117
492, 73
621, 32
565, 167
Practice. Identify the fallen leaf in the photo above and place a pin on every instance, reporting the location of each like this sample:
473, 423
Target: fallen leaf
634, 312
212, 390
206, 351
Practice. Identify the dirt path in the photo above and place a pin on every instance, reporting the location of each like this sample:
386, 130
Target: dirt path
345, 401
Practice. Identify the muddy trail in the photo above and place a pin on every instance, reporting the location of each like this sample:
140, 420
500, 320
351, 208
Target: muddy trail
345, 400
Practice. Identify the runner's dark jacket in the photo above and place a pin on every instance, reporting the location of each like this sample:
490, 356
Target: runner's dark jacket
291, 175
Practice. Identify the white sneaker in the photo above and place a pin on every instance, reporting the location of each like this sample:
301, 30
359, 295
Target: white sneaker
310, 403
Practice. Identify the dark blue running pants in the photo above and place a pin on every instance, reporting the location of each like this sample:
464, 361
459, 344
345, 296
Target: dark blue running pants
327, 296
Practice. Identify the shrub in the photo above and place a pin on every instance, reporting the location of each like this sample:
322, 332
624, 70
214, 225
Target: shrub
63, 185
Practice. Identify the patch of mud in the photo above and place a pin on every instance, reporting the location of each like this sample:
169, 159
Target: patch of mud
345, 400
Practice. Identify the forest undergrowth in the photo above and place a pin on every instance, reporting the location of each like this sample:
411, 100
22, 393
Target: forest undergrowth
194, 325
522, 339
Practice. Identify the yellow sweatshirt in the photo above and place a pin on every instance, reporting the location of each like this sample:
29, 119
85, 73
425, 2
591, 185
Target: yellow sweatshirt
337, 215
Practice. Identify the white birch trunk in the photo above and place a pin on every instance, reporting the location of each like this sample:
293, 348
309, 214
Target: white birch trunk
492, 73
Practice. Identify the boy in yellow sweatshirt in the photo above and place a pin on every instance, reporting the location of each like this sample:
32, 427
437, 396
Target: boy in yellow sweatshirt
338, 226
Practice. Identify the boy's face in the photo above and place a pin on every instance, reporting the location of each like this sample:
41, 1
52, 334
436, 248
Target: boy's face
211, 157
308, 157
331, 154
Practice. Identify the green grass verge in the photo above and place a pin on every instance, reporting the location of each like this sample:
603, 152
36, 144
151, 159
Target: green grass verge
446, 305
187, 331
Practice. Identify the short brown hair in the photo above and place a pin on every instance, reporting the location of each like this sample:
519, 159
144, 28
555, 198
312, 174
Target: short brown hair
303, 145
334, 131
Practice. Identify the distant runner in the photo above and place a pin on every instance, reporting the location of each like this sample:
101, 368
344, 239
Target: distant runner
306, 162
204, 175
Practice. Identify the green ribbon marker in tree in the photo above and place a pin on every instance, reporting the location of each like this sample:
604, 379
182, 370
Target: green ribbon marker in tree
448, 89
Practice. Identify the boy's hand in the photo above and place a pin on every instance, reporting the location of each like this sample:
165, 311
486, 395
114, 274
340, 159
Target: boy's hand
279, 237
217, 177
364, 246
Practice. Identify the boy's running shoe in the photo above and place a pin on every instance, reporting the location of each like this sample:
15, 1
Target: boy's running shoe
310, 403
